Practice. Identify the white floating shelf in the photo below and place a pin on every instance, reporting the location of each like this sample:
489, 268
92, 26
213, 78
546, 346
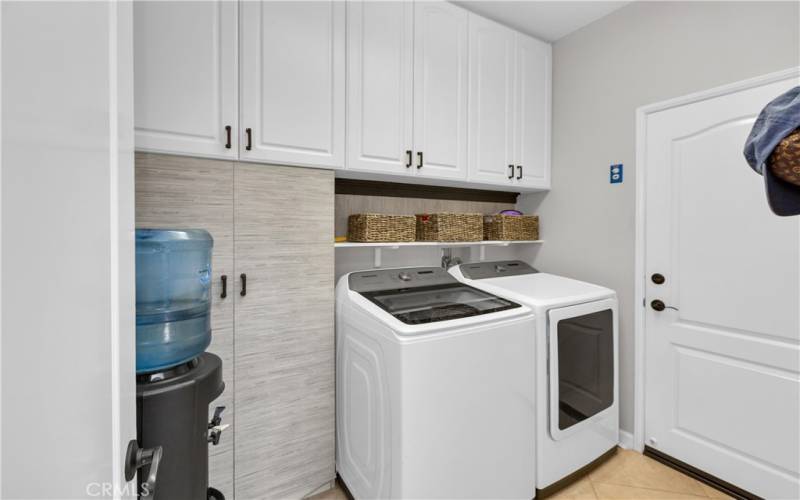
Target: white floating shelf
479, 245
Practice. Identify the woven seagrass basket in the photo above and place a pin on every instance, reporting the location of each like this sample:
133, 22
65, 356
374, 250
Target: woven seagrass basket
370, 228
785, 158
511, 227
449, 227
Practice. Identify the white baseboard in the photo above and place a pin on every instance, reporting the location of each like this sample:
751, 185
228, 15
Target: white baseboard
625, 440
325, 487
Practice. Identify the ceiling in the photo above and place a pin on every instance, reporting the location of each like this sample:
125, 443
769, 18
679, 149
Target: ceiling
547, 21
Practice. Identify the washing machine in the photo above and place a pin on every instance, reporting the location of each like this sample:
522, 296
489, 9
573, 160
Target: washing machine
576, 353
434, 388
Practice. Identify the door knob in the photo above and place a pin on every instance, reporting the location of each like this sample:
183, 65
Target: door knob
658, 278
659, 305
136, 458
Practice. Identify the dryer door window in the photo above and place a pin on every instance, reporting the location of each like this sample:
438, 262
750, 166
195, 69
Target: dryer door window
582, 356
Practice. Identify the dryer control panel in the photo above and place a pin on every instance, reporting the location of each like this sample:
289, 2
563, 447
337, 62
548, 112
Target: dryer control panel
498, 269
392, 279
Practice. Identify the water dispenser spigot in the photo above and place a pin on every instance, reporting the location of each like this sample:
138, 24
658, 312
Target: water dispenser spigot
214, 427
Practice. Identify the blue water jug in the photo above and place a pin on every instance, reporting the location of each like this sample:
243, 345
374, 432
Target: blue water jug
173, 304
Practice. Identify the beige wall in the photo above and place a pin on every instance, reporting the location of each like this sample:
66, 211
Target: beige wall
643, 53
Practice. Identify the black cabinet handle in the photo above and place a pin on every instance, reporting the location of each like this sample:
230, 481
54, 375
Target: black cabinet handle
519, 172
249, 133
224, 280
244, 284
419, 157
511, 171
228, 135
409, 154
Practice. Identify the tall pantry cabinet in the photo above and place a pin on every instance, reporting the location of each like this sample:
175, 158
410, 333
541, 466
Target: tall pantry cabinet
273, 231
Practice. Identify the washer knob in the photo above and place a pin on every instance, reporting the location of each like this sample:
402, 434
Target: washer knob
404, 276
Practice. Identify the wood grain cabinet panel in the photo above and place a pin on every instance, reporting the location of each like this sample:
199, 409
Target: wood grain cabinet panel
192, 193
284, 331
275, 225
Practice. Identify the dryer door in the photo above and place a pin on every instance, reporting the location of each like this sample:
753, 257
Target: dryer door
582, 342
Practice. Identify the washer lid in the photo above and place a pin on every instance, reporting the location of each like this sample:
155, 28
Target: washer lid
443, 302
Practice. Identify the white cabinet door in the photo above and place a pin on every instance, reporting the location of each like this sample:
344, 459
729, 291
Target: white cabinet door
533, 113
293, 83
440, 90
380, 50
185, 77
491, 101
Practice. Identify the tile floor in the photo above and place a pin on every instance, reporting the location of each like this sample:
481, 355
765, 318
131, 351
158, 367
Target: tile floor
628, 474
625, 475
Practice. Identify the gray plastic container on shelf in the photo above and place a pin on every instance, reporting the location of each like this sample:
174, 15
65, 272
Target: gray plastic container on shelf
173, 300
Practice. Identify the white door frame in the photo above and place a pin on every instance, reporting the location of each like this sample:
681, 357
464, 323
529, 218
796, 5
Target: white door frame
639, 266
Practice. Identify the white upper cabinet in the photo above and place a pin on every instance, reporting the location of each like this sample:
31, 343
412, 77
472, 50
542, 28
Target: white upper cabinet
293, 83
440, 90
492, 66
185, 77
384, 89
380, 51
532, 148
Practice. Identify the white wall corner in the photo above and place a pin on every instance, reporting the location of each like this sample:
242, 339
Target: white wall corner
625, 440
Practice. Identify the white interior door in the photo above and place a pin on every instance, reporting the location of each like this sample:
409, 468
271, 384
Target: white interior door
67, 290
293, 82
491, 101
440, 89
186, 74
722, 386
380, 64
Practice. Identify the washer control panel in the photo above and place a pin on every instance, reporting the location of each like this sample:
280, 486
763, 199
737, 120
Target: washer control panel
391, 279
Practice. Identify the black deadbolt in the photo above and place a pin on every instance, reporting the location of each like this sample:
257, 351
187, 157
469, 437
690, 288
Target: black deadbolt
658, 279
658, 305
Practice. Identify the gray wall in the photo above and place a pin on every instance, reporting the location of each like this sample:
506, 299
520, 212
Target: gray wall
643, 53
